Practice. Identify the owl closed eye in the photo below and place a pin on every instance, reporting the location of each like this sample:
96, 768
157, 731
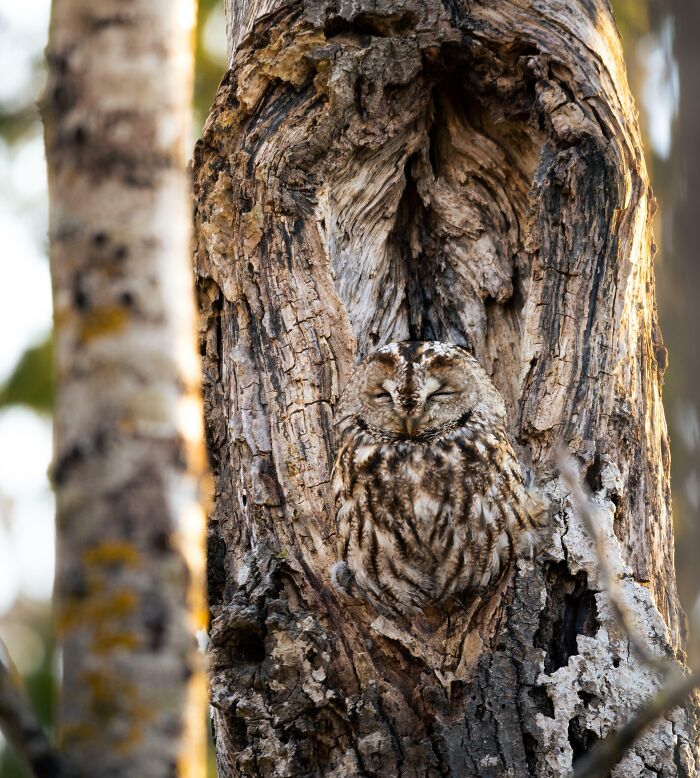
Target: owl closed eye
430, 496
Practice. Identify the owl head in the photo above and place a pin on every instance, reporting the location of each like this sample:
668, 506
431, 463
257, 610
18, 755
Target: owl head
415, 388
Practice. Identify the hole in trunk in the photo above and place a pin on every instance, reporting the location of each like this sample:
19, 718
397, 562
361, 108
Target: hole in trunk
581, 739
538, 694
247, 646
372, 25
571, 611
594, 475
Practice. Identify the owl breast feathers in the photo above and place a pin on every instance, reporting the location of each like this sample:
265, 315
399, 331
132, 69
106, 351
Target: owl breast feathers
430, 496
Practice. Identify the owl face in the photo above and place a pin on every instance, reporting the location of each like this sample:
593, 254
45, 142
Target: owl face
414, 389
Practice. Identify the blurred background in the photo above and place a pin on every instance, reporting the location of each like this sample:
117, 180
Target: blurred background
663, 63
26, 392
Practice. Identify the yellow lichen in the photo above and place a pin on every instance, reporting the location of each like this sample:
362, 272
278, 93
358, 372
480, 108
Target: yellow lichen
76, 733
109, 640
98, 322
284, 57
94, 609
114, 552
114, 697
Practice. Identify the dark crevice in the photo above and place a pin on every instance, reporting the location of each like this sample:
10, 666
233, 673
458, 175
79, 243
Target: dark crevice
543, 703
571, 611
372, 25
530, 746
359, 90
432, 151
406, 238
594, 475
237, 730
437, 747
216, 570
246, 644
395, 739
580, 738
586, 697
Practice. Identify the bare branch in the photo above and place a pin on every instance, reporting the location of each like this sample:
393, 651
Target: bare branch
23, 729
608, 752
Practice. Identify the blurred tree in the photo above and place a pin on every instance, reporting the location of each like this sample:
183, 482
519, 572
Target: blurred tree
129, 457
662, 56
664, 66
634, 21
31, 382
679, 285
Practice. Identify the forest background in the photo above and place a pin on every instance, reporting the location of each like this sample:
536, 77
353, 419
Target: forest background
663, 64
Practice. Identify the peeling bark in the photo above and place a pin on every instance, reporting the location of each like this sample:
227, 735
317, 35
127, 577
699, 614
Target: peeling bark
129, 448
462, 172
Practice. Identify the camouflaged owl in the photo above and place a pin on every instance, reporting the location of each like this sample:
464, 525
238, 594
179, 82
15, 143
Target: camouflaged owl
430, 496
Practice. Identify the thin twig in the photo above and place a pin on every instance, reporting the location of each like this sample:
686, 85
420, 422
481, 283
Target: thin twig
582, 503
23, 729
601, 759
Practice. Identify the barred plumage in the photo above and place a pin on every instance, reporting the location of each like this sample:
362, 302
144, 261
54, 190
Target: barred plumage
430, 496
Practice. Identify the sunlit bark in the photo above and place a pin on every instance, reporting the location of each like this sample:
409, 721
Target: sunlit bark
469, 172
128, 446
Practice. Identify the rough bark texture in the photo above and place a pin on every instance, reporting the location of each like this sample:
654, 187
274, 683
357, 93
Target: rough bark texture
468, 172
129, 451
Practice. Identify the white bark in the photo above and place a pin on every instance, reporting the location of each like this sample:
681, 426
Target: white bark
128, 452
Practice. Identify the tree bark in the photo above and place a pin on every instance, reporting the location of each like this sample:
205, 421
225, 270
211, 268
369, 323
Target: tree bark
469, 172
129, 448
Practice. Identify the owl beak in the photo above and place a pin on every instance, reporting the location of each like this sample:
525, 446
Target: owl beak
409, 424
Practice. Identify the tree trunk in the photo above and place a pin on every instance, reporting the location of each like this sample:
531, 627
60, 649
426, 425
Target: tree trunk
468, 172
682, 280
129, 451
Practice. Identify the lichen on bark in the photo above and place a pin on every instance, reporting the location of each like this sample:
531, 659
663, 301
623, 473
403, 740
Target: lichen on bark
129, 457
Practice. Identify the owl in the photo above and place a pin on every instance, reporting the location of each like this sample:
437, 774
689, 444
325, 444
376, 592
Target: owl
431, 500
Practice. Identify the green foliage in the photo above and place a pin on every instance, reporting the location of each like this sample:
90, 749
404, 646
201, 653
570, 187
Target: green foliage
18, 124
31, 382
209, 65
632, 17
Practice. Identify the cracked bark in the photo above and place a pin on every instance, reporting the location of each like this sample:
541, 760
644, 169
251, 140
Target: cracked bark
470, 172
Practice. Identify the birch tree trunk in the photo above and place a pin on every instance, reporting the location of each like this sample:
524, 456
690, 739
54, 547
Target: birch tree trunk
129, 451
469, 172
